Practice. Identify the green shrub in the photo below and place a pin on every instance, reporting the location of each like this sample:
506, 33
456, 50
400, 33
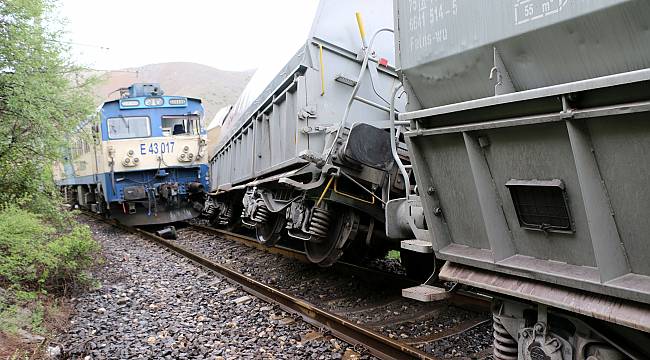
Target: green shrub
74, 253
34, 256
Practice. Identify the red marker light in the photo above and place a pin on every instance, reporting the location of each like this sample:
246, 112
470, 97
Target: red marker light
383, 62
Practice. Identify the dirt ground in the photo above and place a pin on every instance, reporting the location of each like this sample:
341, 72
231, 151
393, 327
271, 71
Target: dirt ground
56, 320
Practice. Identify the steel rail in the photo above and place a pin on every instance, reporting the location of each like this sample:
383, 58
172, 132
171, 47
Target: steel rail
370, 275
376, 344
250, 242
460, 297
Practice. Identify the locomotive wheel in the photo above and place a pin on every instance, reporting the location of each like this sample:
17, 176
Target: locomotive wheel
342, 232
270, 232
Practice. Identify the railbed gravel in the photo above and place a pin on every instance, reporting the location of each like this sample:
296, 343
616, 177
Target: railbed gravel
379, 306
154, 304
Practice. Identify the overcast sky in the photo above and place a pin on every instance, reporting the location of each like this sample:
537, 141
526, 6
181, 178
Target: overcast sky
228, 35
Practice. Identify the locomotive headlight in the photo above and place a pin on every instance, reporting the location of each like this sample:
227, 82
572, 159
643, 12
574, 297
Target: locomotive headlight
129, 161
185, 157
129, 103
186, 149
177, 101
154, 101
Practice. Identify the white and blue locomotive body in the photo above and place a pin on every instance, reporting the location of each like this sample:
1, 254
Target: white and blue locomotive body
141, 159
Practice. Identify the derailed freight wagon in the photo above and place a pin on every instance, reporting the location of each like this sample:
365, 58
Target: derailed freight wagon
529, 139
310, 154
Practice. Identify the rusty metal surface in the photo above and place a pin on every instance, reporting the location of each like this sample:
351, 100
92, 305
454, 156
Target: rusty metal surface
626, 313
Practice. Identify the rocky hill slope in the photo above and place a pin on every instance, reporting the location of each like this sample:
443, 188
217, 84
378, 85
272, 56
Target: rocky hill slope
217, 88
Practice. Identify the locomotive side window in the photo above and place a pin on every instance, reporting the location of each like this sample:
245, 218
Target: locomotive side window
180, 125
128, 127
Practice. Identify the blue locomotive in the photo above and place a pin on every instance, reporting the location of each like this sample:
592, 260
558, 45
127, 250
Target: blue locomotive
141, 159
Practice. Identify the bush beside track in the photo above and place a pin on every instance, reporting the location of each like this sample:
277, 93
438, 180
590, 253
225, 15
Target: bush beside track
36, 255
44, 253
40, 260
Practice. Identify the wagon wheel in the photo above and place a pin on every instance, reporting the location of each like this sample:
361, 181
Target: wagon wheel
342, 232
270, 232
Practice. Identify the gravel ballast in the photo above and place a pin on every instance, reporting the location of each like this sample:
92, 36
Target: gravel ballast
377, 305
153, 304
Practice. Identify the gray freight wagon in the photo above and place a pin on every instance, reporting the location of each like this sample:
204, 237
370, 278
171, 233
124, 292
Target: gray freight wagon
308, 155
530, 142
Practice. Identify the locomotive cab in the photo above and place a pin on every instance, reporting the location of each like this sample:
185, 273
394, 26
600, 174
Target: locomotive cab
149, 161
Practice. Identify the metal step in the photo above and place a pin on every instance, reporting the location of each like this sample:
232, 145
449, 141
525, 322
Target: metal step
419, 246
425, 293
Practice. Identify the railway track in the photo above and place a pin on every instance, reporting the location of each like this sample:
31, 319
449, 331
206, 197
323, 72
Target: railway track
342, 267
346, 305
382, 308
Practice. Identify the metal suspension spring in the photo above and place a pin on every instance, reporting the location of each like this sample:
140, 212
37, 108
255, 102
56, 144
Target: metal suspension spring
209, 209
228, 214
320, 222
505, 347
262, 214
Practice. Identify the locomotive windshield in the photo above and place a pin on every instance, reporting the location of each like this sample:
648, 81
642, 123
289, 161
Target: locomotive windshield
128, 127
180, 125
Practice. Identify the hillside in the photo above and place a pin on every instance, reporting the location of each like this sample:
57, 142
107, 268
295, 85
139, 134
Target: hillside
217, 88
